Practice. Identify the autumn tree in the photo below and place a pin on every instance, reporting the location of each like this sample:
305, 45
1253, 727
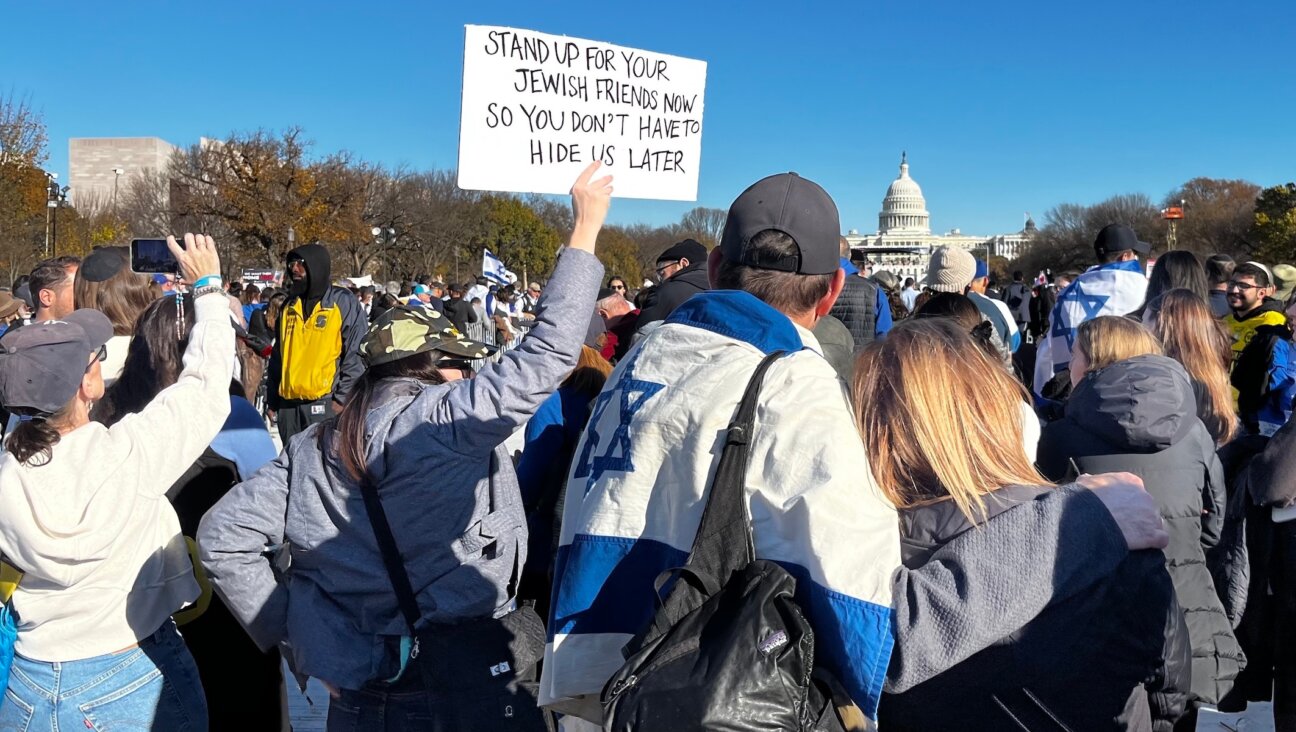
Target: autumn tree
516, 235
22, 185
260, 186
1217, 215
1272, 237
619, 254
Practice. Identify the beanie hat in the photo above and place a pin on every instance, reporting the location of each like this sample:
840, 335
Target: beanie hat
689, 249
950, 270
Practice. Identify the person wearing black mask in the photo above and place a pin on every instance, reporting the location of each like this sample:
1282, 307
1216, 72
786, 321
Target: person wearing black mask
316, 356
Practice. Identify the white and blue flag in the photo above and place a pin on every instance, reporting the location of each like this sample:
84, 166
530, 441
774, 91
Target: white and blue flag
1117, 288
494, 270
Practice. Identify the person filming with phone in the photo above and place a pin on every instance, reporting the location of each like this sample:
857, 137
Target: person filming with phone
85, 516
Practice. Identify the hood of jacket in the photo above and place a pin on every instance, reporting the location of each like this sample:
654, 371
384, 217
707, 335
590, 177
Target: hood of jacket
318, 272
1143, 404
926, 528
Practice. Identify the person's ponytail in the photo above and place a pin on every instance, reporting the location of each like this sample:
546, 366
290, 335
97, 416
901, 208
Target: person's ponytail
33, 440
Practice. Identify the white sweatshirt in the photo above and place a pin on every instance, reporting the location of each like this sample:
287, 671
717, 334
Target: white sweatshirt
100, 544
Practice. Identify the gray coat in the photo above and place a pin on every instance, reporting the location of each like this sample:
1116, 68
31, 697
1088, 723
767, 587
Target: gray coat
1140, 415
449, 491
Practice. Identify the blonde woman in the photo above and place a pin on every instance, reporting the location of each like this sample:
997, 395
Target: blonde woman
1133, 409
943, 434
1193, 337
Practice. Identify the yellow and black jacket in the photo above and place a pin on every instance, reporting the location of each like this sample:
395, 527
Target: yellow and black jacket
317, 347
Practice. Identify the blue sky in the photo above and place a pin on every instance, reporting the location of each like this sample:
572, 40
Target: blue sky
1004, 107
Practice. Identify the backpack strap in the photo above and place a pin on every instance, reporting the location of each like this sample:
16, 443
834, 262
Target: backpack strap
723, 544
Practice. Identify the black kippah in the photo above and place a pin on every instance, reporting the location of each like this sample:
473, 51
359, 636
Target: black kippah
102, 264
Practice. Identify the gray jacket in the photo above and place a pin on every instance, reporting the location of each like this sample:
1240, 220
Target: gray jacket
449, 491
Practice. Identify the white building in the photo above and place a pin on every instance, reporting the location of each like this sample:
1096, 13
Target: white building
100, 168
904, 241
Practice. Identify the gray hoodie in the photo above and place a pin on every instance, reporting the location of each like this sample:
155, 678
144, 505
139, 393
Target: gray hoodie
449, 491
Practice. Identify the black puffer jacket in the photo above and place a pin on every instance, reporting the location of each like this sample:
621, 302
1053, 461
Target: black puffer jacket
1088, 662
673, 292
1140, 416
857, 309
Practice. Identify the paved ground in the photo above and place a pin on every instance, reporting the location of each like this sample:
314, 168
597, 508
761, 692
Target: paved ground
308, 712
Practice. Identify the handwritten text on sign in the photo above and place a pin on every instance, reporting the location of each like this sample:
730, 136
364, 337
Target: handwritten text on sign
538, 108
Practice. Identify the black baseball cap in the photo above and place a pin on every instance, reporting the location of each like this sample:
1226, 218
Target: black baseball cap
795, 206
1119, 238
41, 364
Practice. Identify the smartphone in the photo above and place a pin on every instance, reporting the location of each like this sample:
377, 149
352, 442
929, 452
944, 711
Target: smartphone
151, 256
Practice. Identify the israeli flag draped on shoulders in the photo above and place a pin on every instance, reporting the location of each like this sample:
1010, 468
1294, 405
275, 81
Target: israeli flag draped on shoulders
640, 474
1117, 288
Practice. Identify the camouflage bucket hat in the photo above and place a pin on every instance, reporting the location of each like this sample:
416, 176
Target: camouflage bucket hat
404, 331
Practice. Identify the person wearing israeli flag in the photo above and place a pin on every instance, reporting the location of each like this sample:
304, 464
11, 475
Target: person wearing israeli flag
1116, 286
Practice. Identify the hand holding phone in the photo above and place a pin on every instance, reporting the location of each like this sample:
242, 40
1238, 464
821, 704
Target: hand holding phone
152, 256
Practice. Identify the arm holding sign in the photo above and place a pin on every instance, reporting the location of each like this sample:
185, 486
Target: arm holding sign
479, 413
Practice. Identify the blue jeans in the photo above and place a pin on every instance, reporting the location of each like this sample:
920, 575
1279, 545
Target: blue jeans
154, 688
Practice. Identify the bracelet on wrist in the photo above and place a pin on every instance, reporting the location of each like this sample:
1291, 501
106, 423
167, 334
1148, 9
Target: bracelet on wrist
207, 290
206, 280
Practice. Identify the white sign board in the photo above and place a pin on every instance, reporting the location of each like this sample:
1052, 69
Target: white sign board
539, 108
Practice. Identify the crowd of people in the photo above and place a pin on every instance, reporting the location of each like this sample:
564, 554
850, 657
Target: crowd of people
1059, 503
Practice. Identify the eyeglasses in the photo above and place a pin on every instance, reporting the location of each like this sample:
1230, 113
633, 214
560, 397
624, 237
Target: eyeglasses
1243, 286
661, 271
101, 355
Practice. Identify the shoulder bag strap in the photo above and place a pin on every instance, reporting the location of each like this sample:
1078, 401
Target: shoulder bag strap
405, 598
723, 543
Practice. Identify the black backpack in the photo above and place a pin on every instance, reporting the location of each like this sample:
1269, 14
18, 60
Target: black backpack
728, 648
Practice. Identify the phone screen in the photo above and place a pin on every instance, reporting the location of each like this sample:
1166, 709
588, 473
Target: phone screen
152, 256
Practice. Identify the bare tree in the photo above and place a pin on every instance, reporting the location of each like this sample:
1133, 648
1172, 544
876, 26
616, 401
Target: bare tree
704, 224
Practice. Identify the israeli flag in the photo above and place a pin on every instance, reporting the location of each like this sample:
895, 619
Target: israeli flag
1117, 288
494, 270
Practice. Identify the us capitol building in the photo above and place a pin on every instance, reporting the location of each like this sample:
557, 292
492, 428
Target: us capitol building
904, 241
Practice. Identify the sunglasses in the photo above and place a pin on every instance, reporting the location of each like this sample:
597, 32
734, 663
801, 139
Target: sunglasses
618, 287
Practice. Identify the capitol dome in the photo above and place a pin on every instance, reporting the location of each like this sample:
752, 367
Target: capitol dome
904, 209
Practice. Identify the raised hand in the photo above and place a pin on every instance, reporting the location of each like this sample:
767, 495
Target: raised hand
198, 258
590, 201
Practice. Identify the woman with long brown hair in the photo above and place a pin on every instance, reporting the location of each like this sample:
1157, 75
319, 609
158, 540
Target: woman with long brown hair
106, 283
1191, 335
943, 432
401, 520
1133, 409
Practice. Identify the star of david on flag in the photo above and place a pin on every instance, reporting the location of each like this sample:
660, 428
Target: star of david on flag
631, 394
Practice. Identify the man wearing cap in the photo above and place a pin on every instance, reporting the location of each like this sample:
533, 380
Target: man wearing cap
862, 306
642, 469
316, 356
1116, 286
426, 296
1264, 361
996, 311
682, 271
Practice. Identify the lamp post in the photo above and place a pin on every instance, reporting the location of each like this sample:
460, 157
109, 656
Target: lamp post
51, 197
117, 174
57, 198
384, 237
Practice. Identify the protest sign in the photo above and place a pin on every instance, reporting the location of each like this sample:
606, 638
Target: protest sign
538, 108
